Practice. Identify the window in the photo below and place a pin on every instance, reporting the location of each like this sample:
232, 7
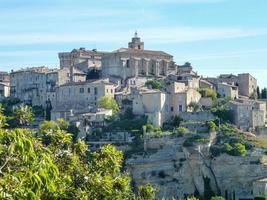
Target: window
139, 47
107, 90
128, 63
172, 109
111, 90
81, 90
180, 108
88, 90
95, 91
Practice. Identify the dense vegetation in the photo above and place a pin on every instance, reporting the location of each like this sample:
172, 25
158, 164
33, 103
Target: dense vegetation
46, 164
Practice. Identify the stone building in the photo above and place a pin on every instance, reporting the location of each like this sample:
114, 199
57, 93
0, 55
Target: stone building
4, 90
227, 90
135, 61
165, 105
81, 58
247, 84
37, 85
260, 187
80, 95
248, 114
4, 77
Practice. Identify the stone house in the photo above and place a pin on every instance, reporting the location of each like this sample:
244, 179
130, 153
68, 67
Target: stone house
82, 59
165, 104
260, 187
37, 85
248, 114
80, 95
190, 80
4, 90
247, 84
226, 90
4, 77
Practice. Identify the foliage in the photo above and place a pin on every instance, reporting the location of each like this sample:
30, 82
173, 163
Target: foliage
223, 114
38, 111
264, 93
177, 121
181, 131
191, 198
48, 165
207, 92
212, 126
217, 198
260, 198
155, 84
109, 103
147, 192
22, 116
2, 117
194, 106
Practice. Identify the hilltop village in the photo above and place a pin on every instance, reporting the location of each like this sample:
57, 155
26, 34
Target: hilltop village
185, 133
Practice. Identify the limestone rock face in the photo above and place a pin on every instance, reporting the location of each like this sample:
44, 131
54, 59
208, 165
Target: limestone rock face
178, 171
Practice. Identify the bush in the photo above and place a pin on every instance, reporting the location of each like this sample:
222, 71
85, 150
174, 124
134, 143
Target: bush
260, 198
207, 92
237, 149
212, 126
181, 131
217, 198
155, 84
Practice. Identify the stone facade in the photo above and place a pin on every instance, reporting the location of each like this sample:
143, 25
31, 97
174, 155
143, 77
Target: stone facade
4, 90
226, 90
165, 104
248, 114
80, 95
135, 61
247, 84
81, 58
37, 85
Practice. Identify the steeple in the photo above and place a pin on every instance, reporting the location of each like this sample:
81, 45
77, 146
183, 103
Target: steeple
136, 43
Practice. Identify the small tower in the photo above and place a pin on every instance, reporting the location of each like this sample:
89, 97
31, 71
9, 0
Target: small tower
136, 43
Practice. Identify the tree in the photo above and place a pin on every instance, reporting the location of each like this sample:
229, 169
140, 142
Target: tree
207, 92
109, 103
177, 121
212, 126
2, 117
147, 192
23, 115
194, 106
155, 84
258, 92
47, 165
264, 93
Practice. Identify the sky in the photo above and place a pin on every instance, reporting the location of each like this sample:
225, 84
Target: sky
216, 36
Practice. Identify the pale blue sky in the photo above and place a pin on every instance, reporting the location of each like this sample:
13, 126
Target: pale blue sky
216, 36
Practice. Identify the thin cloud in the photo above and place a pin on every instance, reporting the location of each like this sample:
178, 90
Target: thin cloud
161, 35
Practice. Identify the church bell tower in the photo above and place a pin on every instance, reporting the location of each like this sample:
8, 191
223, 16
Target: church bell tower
136, 43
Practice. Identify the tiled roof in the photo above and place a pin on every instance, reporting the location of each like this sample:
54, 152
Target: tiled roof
140, 51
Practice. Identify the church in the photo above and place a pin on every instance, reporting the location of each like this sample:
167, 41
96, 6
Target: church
135, 61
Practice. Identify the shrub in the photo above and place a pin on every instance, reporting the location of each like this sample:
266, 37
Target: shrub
212, 126
260, 198
207, 92
155, 84
181, 131
217, 198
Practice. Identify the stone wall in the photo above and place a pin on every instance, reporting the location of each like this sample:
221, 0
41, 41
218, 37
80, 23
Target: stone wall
197, 116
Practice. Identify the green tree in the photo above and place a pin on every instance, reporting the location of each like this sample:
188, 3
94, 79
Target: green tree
155, 84
258, 92
264, 93
109, 103
2, 117
147, 192
23, 115
177, 121
194, 106
207, 92
212, 126
47, 165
